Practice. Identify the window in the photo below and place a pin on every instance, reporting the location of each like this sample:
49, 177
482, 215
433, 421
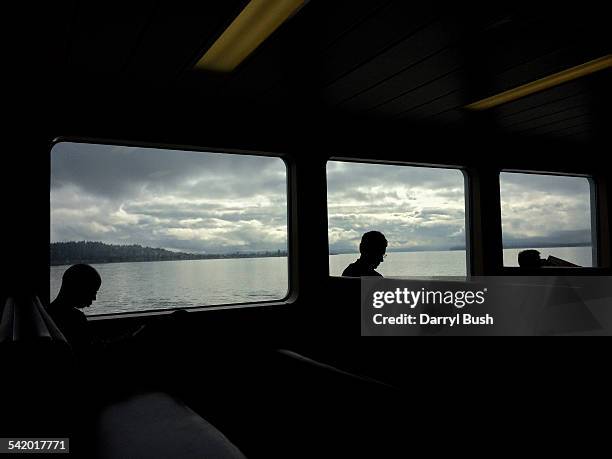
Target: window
548, 213
420, 210
169, 228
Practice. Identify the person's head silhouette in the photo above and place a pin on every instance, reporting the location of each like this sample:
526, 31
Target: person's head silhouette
373, 247
80, 284
530, 259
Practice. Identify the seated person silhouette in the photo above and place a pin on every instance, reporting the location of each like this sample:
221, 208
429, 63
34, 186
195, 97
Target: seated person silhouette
372, 248
80, 284
530, 259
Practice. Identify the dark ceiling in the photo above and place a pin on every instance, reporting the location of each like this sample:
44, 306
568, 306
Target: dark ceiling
383, 60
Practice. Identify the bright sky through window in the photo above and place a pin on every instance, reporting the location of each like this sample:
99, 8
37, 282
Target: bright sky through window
177, 200
551, 213
419, 209
169, 228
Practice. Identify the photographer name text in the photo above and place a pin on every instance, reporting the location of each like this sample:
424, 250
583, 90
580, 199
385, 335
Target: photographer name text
423, 297
427, 319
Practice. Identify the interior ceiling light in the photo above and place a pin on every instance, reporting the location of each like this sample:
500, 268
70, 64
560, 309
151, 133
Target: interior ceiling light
543, 83
253, 25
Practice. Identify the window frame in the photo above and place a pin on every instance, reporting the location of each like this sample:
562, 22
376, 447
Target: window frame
594, 221
467, 193
289, 162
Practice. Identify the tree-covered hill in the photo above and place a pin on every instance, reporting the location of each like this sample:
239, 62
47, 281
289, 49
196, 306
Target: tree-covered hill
68, 253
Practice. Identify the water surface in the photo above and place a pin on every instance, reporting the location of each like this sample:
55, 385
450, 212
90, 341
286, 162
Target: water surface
182, 284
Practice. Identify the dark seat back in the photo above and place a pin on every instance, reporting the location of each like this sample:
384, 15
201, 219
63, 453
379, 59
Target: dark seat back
25, 320
38, 366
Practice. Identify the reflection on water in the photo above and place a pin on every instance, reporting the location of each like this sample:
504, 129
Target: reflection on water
180, 284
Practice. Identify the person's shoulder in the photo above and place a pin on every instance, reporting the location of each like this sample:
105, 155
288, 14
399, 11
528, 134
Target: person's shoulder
80, 314
357, 269
351, 270
57, 311
76, 316
370, 272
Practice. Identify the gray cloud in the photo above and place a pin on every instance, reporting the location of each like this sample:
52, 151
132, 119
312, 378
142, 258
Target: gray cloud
200, 202
416, 208
116, 172
212, 203
423, 208
545, 209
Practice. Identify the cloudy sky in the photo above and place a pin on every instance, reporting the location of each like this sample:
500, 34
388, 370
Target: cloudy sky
545, 208
187, 201
416, 208
215, 203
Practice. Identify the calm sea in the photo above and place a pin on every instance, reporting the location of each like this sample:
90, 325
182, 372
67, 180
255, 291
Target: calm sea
180, 284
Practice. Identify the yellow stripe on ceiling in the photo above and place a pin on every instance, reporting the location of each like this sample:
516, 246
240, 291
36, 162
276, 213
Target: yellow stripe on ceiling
253, 25
543, 83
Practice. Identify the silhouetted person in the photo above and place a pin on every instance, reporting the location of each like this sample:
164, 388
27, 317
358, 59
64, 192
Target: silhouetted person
372, 248
530, 259
80, 284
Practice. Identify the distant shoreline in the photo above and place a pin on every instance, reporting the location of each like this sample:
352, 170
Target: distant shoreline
455, 249
94, 252
120, 254
97, 262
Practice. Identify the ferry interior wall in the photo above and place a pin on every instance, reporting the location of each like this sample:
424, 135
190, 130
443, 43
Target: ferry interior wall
373, 81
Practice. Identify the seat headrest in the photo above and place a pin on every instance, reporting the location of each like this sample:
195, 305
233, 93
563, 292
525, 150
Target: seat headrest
24, 318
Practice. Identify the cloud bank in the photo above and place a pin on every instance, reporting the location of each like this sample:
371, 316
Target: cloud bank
218, 203
177, 200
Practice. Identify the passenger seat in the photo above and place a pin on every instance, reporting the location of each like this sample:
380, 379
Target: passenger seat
41, 374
